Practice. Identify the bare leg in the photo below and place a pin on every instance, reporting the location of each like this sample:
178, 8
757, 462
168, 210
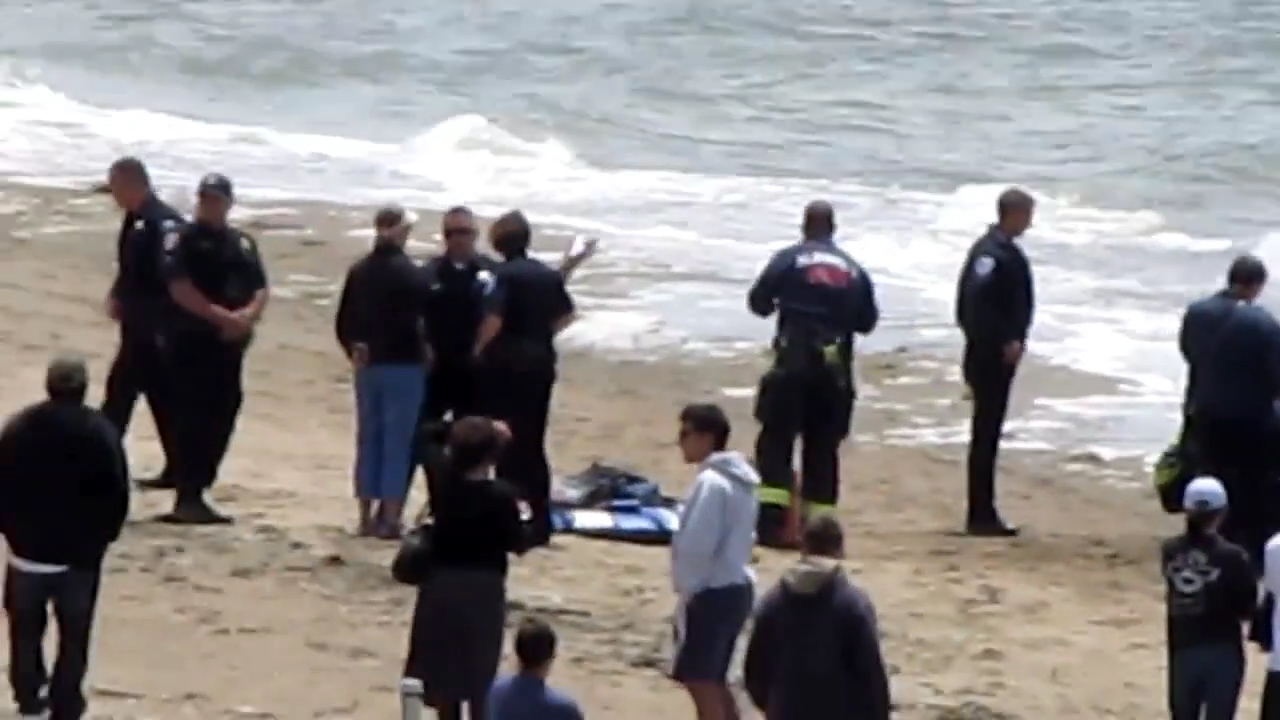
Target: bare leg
706, 701
390, 519
365, 517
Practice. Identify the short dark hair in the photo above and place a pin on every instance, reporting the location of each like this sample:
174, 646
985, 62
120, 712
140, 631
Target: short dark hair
473, 441
389, 217
1246, 270
511, 233
132, 169
1014, 200
823, 536
67, 378
535, 643
707, 419
458, 210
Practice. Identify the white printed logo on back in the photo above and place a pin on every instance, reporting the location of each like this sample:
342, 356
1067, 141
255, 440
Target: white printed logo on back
983, 266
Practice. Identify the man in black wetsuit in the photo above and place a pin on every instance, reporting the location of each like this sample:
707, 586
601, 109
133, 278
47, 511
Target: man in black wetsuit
136, 302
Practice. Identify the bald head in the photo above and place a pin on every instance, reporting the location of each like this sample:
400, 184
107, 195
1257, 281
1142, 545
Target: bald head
1014, 209
819, 221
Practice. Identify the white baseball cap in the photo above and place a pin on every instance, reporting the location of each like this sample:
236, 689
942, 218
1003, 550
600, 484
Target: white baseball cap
1204, 494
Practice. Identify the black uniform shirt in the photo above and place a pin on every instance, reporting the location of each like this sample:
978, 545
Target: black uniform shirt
139, 287
455, 292
223, 263
530, 298
995, 294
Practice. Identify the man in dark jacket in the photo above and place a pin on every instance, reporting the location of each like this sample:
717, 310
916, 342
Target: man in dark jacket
814, 652
380, 327
1232, 348
64, 495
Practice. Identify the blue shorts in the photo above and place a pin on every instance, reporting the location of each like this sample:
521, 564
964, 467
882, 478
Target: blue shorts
706, 633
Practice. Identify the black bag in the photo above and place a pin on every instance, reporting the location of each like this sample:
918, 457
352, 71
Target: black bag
1260, 629
412, 563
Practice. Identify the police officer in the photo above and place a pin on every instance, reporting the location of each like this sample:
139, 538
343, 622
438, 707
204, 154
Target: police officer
456, 280
136, 300
525, 308
995, 302
218, 287
822, 297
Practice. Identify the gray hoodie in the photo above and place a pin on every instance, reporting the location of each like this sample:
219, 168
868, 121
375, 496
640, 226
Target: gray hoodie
712, 547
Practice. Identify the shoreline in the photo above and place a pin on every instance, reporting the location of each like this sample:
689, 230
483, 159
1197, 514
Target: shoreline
287, 615
1053, 402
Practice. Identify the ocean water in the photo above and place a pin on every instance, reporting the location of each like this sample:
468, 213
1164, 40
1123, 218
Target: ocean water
688, 135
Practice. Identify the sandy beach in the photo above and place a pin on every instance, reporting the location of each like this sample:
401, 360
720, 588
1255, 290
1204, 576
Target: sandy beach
285, 615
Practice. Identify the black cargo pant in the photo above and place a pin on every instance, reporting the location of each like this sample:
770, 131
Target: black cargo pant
139, 369
1242, 454
813, 401
521, 397
990, 381
73, 595
452, 391
207, 395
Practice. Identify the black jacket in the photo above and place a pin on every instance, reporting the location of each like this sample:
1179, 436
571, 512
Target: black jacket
814, 651
995, 294
1232, 351
382, 306
64, 484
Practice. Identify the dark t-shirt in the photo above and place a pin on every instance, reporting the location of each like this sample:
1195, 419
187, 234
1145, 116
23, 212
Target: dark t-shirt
1209, 590
477, 523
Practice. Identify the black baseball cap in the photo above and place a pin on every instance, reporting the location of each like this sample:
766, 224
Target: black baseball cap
216, 184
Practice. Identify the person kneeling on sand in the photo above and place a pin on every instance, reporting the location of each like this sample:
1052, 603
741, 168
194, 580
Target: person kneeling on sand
711, 561
814, 650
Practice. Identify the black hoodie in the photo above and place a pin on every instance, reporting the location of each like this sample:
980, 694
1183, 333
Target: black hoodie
814, 652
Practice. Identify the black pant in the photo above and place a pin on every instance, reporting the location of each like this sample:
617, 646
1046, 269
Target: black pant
139, 369
1271, 696
814, 404
522, 399
452, 390
1204, 681
1242, 455
990, 380
27, 596
207, 396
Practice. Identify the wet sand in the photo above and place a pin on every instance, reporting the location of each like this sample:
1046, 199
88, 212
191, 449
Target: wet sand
285, 615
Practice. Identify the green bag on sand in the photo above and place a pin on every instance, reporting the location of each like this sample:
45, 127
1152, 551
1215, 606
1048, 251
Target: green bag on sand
1171, 475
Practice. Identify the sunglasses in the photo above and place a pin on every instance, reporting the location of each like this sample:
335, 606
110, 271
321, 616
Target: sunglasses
459, 232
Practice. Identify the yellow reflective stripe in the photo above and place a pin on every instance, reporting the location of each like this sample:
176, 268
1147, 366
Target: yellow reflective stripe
773, 496
820, 508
